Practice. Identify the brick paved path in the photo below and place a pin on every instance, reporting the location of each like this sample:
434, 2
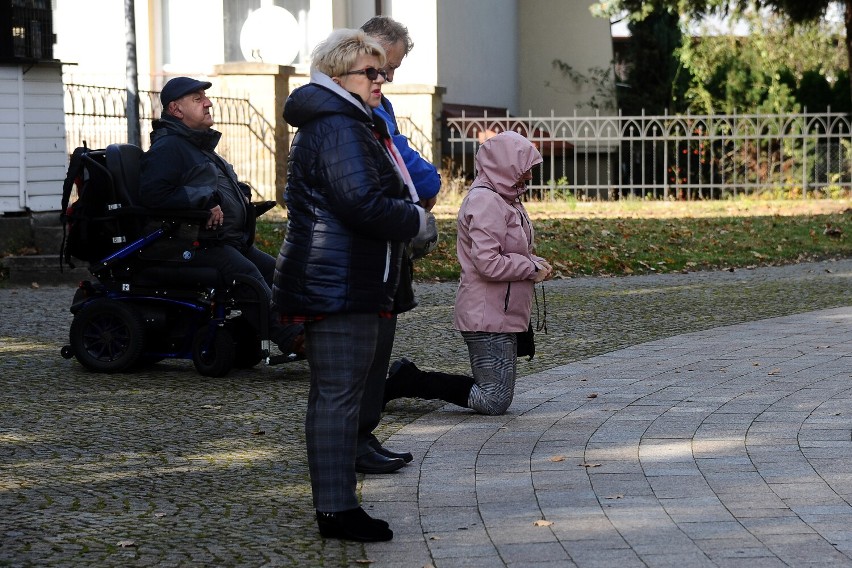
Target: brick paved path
726, 447
164, 467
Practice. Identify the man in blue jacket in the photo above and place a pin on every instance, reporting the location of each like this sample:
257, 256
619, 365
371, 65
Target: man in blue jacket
372, 457
181, 170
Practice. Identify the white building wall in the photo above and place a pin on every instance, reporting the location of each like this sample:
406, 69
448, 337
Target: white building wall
11, 140
32, 138
356, 13
477, 49
421, 19
485, 52
561, 30
90, 38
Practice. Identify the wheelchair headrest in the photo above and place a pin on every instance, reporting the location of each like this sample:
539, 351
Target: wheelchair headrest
122, 161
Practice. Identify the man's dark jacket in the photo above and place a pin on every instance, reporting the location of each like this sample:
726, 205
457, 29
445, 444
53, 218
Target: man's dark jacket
182, 171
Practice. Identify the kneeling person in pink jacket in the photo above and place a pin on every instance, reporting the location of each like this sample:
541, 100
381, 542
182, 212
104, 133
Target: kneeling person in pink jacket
498, 275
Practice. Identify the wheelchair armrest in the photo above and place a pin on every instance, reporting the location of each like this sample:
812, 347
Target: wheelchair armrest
191, 215
262, 207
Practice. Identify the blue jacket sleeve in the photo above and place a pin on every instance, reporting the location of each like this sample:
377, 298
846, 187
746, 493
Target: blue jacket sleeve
427, 180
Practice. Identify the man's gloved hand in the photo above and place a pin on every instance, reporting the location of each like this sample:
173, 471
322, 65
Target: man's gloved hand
426, 240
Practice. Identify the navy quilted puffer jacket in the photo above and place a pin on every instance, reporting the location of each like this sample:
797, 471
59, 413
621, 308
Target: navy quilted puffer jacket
348, 210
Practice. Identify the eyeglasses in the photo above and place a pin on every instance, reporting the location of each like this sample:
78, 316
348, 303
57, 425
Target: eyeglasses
371, 72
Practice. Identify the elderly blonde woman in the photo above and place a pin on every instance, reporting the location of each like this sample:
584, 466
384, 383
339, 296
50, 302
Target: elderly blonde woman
339, 271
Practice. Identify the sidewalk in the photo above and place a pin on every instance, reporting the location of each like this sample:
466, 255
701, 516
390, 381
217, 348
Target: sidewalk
727, 447
723, 446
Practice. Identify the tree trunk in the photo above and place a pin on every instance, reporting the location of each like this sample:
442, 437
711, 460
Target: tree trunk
134, 135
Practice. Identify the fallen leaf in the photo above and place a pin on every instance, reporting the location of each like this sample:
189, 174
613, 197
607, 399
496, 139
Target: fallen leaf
557, 458
543, 523
586, 464
774, 372
593, 395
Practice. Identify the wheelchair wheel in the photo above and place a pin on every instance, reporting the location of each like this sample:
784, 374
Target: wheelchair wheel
246, 343
107, 336
218, 357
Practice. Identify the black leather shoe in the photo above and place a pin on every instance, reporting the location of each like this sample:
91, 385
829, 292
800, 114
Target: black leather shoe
354, 524
374, 462
405, 456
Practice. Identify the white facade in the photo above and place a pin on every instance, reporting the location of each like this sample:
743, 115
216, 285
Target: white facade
32, 137
468, 54
478, 52
494, 53
562, 30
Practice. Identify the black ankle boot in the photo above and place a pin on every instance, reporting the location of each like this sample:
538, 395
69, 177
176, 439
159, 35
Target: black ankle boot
354, 524
401, 382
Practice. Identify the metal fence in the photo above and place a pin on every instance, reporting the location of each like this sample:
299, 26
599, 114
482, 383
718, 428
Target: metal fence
585, 157
97, 116
671, 157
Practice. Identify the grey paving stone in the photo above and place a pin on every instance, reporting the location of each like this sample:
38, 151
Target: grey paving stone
163, 467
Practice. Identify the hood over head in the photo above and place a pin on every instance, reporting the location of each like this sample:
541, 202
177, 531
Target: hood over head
502, 160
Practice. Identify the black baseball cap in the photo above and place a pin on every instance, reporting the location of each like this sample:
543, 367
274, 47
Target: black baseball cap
179, 87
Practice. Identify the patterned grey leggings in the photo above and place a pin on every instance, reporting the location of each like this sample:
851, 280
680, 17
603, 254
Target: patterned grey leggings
493, 361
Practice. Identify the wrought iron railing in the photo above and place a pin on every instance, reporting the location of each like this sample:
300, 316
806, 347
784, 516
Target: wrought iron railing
585, 157
98, 117
417, 139
672, 157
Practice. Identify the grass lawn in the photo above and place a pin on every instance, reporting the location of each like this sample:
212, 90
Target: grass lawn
640, 237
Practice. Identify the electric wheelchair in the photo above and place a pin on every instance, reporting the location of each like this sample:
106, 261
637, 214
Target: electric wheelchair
144, 303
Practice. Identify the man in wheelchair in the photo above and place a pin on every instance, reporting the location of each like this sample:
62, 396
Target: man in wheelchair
182, 171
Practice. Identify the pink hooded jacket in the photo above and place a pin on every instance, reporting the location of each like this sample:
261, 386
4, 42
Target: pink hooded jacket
495, 240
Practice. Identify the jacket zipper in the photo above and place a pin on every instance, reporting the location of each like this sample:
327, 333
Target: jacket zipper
387, 262
523, 219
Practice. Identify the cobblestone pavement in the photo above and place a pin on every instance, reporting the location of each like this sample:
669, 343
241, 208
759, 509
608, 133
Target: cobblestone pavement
165, 467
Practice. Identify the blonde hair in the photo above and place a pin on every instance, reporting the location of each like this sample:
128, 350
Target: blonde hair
338, 53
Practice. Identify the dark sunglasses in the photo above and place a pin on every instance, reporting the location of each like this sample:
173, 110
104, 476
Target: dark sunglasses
371, 72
